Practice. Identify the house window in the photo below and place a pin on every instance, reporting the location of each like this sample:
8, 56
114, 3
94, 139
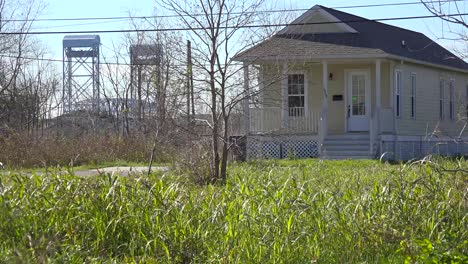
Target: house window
296, 94
452, 103
413, 95
398, 87
441, 99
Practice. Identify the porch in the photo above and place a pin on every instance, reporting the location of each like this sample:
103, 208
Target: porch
267, 120
326, 102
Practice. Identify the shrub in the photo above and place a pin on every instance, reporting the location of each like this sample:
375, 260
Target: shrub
23, 150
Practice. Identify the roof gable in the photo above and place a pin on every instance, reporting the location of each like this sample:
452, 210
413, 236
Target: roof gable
375, 35
317, 20
322, 25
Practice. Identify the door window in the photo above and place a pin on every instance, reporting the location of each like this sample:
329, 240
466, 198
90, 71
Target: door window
358, 95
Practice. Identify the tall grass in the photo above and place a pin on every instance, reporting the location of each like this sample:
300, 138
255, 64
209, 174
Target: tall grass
268, 212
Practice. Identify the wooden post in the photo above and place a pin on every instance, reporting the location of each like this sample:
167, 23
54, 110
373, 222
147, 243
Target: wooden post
392, 92
378, 103
324, 117
284, 97
378, 91
246, 98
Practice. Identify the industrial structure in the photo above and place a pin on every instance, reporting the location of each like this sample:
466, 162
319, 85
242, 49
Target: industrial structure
81, 76
82, 89
145, 62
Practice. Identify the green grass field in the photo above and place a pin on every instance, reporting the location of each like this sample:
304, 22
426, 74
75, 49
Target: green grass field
307, 211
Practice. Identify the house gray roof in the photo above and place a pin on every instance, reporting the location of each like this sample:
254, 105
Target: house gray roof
370, 36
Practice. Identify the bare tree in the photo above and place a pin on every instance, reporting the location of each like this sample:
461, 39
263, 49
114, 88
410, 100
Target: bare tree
142, 83
454, 27
217, 30
17, 16
449, 11
155, 77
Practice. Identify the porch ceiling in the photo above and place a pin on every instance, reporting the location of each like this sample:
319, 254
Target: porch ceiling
276, 49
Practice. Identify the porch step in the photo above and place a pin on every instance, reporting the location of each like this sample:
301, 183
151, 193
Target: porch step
346, 157
341, 153
346, 141
347, 146
350, 136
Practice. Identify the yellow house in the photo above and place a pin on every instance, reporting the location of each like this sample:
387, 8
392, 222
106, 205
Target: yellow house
335, 85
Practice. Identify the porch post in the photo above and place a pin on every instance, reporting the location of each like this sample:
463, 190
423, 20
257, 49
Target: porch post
391, 76
284, 96
378, 92
324, 117
246, 103
378, 105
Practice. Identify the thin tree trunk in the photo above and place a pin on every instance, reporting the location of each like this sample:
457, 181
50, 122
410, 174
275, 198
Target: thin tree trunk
188, 81
140, 103
215, 145
225, 153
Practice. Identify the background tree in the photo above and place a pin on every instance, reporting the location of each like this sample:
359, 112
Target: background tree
455, 24
27, 83
448, 10
217, 31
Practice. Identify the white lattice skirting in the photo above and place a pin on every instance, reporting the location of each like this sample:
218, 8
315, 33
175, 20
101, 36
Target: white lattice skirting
278, 147
407, 150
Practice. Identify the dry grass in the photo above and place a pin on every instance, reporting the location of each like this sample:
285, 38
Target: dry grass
23, 151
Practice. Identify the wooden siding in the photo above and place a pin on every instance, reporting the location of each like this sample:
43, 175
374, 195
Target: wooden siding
427, 119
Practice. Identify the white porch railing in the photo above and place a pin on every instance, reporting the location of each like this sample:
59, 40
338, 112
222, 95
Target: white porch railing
268, 119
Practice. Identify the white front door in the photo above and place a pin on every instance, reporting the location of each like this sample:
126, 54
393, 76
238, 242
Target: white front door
358, 101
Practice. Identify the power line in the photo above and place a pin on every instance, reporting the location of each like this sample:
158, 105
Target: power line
233, 13
396, 4
223, 27
102, 63
59, 60
80, 24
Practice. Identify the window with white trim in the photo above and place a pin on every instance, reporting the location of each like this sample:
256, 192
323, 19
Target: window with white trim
296, 94
413, 95
441, 99
452, 98
398, 87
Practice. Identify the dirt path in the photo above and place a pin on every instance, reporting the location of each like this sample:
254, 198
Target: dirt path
122, 171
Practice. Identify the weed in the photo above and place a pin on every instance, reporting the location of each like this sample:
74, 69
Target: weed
270, 211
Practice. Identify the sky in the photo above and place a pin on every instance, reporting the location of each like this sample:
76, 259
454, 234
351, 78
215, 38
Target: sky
433, 28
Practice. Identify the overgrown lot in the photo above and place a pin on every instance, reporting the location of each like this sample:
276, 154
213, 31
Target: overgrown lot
273, 211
